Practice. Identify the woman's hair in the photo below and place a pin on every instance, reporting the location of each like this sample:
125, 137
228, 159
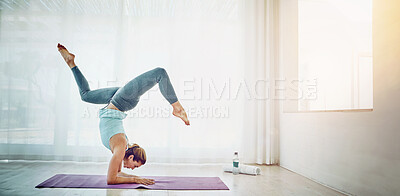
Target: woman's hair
138, 153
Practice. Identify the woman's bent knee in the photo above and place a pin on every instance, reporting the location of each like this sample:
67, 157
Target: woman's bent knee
84, 97
160, 70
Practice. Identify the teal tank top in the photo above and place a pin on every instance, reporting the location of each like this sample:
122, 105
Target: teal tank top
111, 124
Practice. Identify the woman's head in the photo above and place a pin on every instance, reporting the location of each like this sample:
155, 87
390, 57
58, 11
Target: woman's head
135, 156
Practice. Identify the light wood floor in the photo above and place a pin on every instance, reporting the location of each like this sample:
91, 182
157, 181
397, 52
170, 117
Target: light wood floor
20, 178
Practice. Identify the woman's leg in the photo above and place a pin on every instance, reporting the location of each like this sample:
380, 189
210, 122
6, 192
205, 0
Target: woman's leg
99, 96
127, 97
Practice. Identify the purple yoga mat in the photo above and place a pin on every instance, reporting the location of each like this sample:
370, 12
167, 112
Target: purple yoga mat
161, 183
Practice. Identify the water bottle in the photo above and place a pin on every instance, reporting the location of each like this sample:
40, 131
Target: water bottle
235, 170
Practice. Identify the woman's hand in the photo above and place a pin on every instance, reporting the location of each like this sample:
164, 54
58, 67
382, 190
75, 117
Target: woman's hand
145, 181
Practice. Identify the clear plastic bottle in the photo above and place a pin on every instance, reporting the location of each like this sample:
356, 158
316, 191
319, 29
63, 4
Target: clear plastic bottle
235, 170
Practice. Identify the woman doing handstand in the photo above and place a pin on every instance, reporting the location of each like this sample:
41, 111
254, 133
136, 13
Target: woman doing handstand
120, 100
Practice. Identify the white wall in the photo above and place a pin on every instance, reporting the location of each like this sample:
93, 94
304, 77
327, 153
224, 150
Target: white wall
356, 152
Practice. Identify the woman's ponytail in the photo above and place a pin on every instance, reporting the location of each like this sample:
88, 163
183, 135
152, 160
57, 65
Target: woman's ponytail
138, 153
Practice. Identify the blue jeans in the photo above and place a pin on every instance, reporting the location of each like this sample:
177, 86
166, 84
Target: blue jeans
127, 97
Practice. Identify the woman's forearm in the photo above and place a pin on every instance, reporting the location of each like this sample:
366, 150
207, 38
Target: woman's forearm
122, 174
123, 180
129, 180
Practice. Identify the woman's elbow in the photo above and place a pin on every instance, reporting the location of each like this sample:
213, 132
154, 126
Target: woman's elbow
111, 181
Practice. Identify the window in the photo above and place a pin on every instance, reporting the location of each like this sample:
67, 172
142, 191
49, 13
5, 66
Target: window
334, 55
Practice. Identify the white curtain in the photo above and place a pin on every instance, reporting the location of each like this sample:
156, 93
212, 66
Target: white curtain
214, 52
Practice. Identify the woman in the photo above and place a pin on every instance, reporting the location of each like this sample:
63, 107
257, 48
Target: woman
118, 101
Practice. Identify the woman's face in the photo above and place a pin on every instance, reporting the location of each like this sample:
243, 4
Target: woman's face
131, 164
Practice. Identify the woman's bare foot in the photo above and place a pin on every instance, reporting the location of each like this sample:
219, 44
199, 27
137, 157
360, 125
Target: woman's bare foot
68, 57
180, 112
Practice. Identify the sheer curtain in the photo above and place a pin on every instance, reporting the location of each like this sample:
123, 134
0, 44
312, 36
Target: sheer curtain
214, 52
